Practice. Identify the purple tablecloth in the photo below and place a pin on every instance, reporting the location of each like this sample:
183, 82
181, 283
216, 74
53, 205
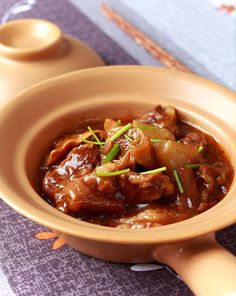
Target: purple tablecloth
29, 266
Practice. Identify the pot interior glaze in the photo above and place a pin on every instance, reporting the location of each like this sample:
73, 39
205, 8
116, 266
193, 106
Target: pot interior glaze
33, 119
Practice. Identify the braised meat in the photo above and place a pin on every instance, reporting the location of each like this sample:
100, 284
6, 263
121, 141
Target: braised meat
148, 172
139, 188
162, 117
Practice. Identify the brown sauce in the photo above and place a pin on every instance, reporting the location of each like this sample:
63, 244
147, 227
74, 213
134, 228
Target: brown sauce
195, 173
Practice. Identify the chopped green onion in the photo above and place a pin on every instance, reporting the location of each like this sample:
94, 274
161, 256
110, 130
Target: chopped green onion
112, 154
159, 170
118, 122
110, 174
146, 127
192, 166
129, 138
178, 181
156, 140
94, 135
200, 148
120, 132
92, 142
178, 141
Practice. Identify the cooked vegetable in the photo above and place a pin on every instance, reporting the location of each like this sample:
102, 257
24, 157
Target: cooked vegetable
178, 181
199, 150
129, 138
94, 135
156, 171
146, 127
155, 140
120, 132
192, 166
112, 154
92, 142
154, 132
110, 174
174, 155
146, 173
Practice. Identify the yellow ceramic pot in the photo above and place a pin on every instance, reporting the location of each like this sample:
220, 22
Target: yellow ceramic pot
32, 50
30, 122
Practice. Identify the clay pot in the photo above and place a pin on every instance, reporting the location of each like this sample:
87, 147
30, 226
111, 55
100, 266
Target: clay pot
26, 134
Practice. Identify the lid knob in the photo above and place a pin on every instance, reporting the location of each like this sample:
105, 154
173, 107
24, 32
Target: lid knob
29, 38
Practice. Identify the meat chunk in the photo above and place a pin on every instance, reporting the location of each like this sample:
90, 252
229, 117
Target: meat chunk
72, 187
208, 176
109, 125
142, 150
127, 161
162, 117
65, 144
89, 193
214, 179
139, 151
104, 185
111, 128
194, 138
79, 162
137, 188
225, 174
152, 217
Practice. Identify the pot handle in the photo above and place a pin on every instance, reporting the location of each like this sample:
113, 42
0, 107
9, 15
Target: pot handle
205, 266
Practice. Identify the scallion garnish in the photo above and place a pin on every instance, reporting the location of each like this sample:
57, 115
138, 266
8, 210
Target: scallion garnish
159, 170
178, 181
200, 148
118, 122
112, 154
129, 138
146, 127
120, 132
192, 166
94, 135
156, 140
92, 142
110, 174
